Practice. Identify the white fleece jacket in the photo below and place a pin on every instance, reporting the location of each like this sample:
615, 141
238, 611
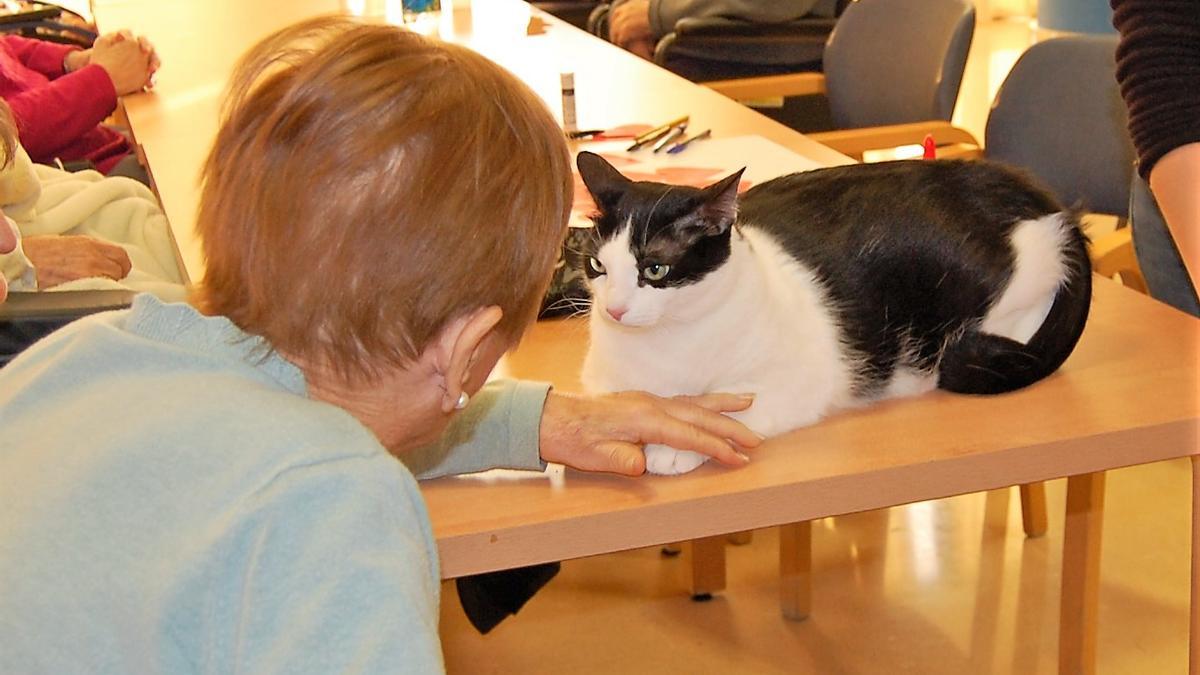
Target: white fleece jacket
43, 200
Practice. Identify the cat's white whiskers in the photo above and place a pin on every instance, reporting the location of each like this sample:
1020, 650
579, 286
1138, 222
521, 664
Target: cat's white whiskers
580, 306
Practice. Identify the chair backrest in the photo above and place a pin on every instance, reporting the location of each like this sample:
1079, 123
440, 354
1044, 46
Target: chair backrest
1060, 115
897, 61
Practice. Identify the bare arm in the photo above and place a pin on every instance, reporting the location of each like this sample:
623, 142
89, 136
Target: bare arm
1175, 182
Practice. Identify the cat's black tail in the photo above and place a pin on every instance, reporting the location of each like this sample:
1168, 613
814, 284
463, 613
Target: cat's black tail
980, 363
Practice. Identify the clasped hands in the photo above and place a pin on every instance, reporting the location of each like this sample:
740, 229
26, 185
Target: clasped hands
129, 60
607, 433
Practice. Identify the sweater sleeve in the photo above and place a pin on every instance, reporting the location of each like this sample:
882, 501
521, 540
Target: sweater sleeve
498, 430
664, 13
40, 55
1158, 66
51, 117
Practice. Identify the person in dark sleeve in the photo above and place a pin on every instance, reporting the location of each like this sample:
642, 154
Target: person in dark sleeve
1158, 68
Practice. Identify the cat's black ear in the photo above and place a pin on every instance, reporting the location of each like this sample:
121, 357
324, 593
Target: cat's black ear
602, 179
720, 205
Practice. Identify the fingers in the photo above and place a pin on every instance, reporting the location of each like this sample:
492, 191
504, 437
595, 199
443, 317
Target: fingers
719, 402
154, 61
676, 433
117, 256
113, 38
704, 412
101, 268
626, 459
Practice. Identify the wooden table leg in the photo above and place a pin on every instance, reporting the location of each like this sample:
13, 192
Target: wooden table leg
706, 567
1033, 509
1081, 574
1194, 632
795, 570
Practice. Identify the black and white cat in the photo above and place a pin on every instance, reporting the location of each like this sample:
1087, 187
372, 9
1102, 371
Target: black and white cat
830, 288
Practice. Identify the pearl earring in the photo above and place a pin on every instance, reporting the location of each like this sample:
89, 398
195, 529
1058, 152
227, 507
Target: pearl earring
463, 398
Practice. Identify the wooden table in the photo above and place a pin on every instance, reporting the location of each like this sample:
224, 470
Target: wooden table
1127, 396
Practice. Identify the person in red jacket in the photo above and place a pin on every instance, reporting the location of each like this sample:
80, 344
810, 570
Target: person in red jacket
60, 95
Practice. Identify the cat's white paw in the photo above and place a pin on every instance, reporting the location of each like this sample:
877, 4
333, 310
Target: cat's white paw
666, 461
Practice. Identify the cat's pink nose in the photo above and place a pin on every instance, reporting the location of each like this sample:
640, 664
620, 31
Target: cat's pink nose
617, 312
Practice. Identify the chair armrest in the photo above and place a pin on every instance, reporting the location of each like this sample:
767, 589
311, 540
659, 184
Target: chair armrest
853, 142
767, 86
597, 21
26, 318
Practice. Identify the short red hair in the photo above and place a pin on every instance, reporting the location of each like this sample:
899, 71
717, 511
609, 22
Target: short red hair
368, 185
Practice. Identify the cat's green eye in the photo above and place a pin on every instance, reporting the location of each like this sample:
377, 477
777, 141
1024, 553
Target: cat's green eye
655, 272
596, 265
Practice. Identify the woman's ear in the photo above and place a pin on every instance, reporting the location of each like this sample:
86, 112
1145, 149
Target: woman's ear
459, 347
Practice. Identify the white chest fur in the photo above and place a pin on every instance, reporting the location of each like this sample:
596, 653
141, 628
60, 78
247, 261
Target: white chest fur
759, 324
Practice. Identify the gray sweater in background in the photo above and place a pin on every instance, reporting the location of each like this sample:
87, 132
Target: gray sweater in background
664, 13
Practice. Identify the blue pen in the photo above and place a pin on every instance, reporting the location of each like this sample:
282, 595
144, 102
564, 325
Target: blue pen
670, 138
682, 145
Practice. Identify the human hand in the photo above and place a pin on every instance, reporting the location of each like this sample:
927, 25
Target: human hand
8, 243
608, 432
143, 42
642, 48
112, 38
125, 59
154, 62
60, 259
629, 27
76, 60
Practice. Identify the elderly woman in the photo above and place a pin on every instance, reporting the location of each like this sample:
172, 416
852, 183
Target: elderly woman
215, 486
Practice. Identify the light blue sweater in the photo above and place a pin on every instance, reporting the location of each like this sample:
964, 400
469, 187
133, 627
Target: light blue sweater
170, 501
